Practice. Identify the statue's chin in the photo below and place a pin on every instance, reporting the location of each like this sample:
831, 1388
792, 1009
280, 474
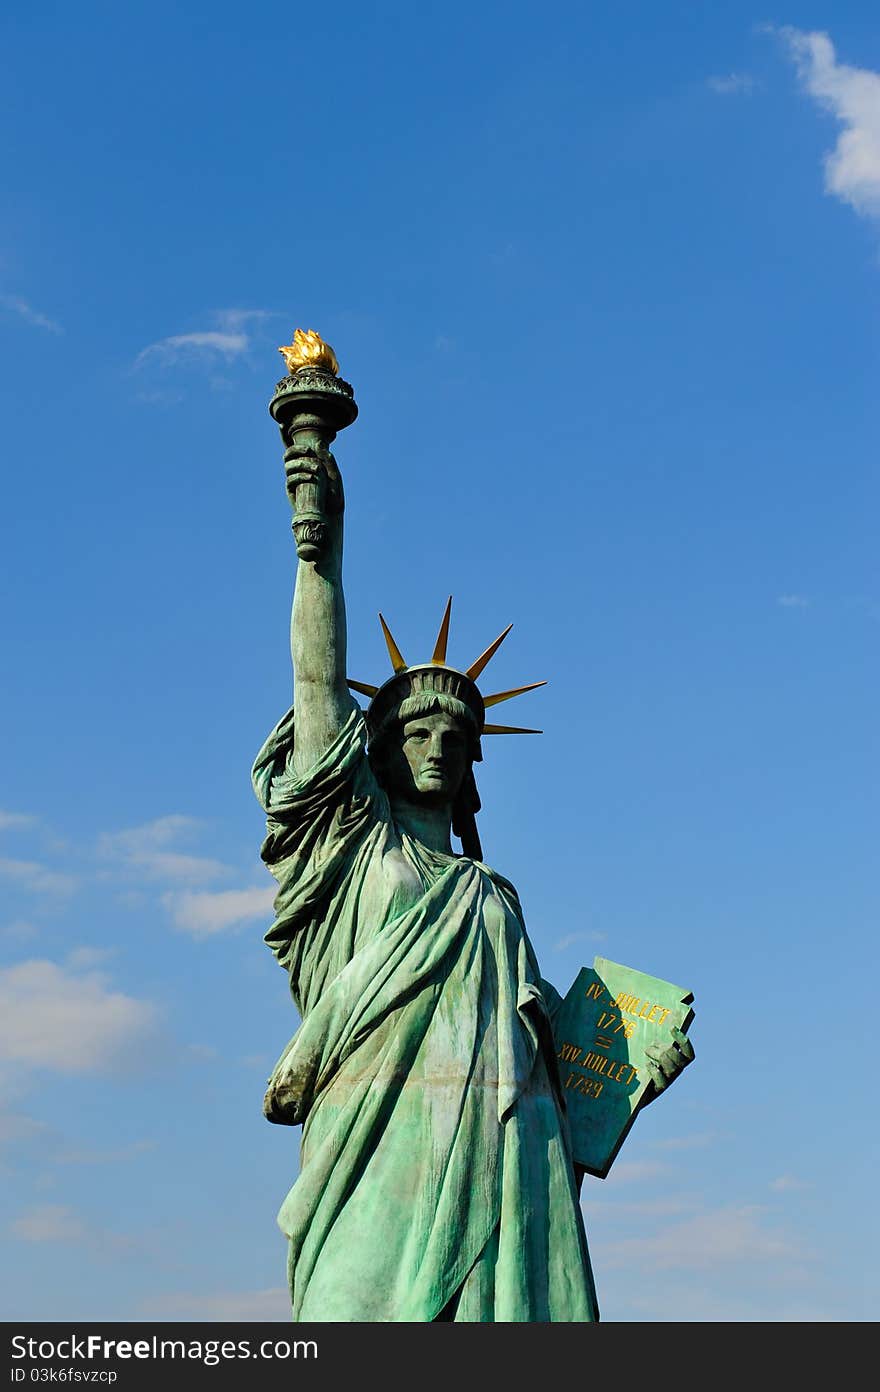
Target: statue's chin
434, 795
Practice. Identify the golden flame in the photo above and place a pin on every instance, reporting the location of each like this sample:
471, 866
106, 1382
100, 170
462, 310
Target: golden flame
308, 349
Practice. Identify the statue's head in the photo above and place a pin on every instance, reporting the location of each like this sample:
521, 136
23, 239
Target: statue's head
426, 758
424, 727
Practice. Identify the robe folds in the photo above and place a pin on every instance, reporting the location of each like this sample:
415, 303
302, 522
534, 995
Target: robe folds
435, 1178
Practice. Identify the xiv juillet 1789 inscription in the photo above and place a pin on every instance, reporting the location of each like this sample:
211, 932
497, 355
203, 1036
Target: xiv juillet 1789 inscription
612, 1031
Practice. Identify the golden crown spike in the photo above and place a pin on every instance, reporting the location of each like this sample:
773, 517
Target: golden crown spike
439, 655
398, 661
465, 679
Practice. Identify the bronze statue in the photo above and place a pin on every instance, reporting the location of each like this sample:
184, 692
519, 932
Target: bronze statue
437, 1180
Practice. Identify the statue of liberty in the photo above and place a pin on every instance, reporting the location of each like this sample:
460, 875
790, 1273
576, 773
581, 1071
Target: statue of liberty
436, 1177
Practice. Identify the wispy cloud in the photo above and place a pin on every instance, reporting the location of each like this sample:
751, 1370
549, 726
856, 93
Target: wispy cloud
16, 1129
732, 84
150, 855
60, 1223
571, 939
50, 1223
70, 1021
634, 1171
793, 601
785, 1183
172, 350
103, 1157
228, 338
81, 958
234, 319
222, 1306
203, 915
150, 851
728, 1236
174, 865
671, 1206
698, 1140
852, 96
15, 819
36, 877
19, 929
26, 311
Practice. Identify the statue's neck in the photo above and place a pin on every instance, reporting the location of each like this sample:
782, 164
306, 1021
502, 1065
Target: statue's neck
430, 825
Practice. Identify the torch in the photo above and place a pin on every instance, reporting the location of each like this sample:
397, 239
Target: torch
310, 406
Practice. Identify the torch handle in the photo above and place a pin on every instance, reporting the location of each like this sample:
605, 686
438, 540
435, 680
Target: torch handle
308, 495
310, 407
310, 519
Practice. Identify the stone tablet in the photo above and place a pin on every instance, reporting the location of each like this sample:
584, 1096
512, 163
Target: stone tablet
607, 1020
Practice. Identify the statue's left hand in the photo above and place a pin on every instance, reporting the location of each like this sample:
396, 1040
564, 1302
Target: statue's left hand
666, 1061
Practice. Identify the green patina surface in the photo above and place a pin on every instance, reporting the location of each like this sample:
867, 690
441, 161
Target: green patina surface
437, 1179
611, 1028
435, 1162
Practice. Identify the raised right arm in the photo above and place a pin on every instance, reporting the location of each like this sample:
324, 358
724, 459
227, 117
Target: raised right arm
322, 700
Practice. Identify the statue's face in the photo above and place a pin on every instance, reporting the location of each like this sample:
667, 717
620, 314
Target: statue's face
429, 759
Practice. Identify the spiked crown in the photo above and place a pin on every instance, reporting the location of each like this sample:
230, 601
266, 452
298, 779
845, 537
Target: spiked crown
436, 678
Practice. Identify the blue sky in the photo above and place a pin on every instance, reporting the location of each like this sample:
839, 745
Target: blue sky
606, 282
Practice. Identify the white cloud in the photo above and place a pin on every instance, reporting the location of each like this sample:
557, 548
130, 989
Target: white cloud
696, 1141
615, 1209
50, 1223
732, 84
19, 928
16, 1128
180, 346
15, 819
33, 875
228, 340
222, 1307
103, 1157
160, 396
233, 319
728, 1236
204, 914
27, 312
149, 836
173, 865
60, 1223
626, 1171
793, 601
852, 96
572, 938
767, 1296
69, 1021
786, 1182
81, 957
148, 850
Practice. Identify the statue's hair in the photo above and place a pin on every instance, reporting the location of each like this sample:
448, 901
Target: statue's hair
426, 703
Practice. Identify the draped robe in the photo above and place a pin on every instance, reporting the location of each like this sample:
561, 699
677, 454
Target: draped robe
436, 1178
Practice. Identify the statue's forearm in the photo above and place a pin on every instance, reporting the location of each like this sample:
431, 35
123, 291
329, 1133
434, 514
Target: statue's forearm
317, 628
318, 649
